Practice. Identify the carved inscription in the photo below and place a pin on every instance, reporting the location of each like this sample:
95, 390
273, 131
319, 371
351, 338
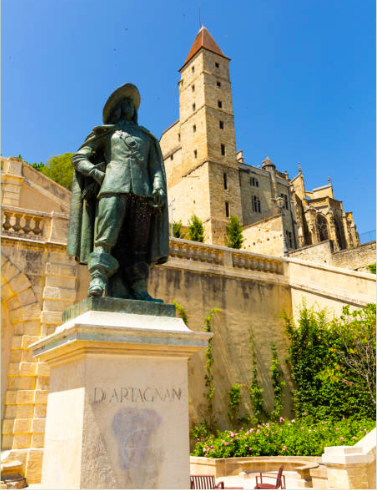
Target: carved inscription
136, 395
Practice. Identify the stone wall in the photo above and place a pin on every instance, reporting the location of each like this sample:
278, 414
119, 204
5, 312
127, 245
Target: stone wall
265, 236
356, 259
321, 285
319, 252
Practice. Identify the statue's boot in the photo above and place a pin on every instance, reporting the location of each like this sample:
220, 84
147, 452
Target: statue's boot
101, 266
138, 278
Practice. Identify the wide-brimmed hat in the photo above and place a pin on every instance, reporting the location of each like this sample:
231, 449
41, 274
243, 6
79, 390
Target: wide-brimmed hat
126, 90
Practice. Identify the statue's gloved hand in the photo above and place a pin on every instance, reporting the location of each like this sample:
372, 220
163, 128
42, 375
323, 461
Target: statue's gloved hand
97, 175
159, 197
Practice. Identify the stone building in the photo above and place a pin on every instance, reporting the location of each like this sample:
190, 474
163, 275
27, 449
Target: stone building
209, 177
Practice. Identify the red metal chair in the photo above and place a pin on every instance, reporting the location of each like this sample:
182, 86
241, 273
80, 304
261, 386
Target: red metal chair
279, 480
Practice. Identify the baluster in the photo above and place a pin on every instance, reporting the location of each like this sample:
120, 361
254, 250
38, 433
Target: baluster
17, 225
37, 229
6, 224
27, 228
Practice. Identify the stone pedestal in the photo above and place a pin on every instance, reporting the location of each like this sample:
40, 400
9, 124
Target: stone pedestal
117, 410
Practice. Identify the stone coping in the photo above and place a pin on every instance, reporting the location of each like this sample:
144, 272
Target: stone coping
118, 305
221, 467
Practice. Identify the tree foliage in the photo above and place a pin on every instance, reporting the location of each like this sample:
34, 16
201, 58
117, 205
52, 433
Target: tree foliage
58, 168
234, 237
333, 363
196, 229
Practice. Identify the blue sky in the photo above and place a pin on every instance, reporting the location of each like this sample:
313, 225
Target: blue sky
302, 72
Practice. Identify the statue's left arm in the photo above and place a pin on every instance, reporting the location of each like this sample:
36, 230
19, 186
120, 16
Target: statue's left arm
156, 175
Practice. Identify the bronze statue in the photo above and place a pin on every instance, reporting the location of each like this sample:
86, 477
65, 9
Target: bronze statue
119, 218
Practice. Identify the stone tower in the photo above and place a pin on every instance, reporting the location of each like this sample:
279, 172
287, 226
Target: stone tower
200, 149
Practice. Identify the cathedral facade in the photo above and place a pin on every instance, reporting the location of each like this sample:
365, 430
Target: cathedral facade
208, 176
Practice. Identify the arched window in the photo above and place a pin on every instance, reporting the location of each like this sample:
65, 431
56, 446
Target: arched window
254, 182
339, 234
322, 227
255, 202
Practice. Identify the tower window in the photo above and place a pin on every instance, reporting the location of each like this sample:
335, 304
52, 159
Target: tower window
254, 182
289, 238
218, 84
227, 209
179, 136
193, 107
171, 157
194, 128
285, 197
193, 88
192, 69
219, 104
222, 149
221, 124
255, 202
225, 181
195, 153
217, 65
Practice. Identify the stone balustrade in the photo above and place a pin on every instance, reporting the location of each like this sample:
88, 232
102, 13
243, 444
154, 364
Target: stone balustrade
201, 252
20, 222
184, 249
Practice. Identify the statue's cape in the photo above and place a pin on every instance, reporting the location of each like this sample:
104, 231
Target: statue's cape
84, 206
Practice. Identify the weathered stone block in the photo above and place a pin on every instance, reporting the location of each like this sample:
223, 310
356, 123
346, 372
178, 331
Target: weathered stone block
31, 312
22, 426
24, 411
9, 271
16, 356
51, 317
33, 470
25, 397
56, 305
7, 427
38, 426
41, 396
11, 397
32, 328
6, 292
60, 269
21, 441
37, 440
42, 383
43, 369
6, 442
40, 411
27, 297
16, 342
21, 383
19, 282
59, 293
61, 282
28, 368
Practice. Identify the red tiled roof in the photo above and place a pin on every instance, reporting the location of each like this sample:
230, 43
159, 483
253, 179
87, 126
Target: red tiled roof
206, 41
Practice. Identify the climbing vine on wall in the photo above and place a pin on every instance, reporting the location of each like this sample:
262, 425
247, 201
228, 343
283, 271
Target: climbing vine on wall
278, 383
208, 377
256, 392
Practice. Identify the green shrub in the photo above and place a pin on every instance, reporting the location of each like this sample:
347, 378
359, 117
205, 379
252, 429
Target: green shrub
196, 229
372, 268
177, 229
234, 237
320, 352
284, 438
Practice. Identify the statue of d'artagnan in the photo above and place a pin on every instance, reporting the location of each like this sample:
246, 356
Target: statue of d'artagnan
119, 219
